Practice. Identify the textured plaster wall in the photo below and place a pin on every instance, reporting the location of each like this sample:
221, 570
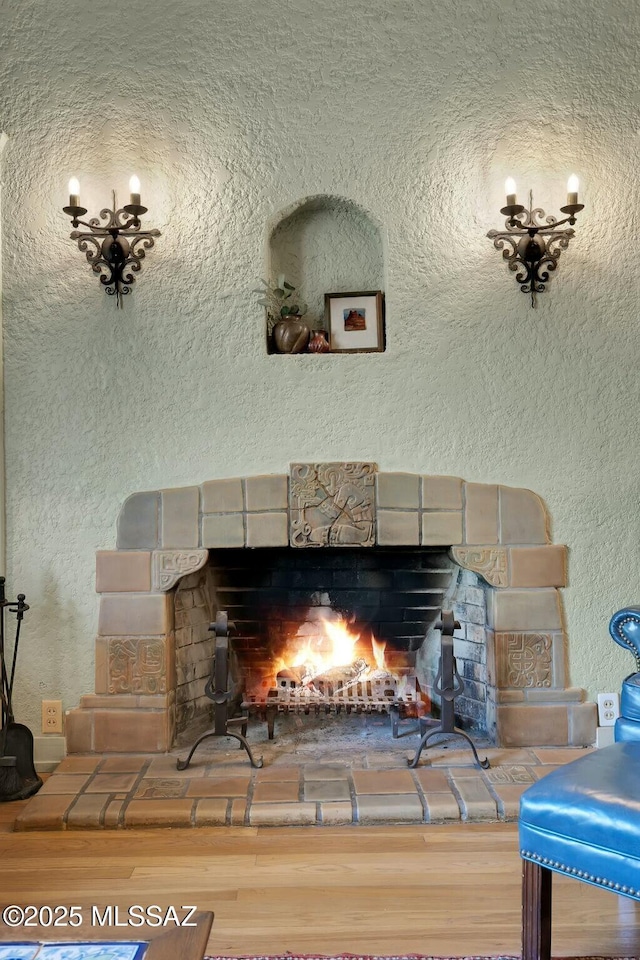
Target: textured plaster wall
3, 143
232, 110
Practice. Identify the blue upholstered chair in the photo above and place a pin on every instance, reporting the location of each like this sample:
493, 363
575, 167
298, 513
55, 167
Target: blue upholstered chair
625, 630
584, 818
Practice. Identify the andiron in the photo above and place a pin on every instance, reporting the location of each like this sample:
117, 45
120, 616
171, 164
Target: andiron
218, 689
449, 685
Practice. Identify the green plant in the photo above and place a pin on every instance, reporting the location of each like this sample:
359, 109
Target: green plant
281, 299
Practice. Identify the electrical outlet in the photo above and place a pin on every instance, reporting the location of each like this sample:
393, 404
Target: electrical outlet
52, 716
608, 709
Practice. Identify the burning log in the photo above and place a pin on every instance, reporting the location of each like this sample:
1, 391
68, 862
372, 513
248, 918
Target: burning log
291, 677
295, 678
330, 682
342, 674
379, 680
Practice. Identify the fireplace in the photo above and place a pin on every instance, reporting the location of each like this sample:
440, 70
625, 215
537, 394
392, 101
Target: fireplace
381, 553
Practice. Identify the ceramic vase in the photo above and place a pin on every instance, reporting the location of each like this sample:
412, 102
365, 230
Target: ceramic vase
319, 342
291, 335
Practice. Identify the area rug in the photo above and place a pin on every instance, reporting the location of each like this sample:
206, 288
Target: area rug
404, 956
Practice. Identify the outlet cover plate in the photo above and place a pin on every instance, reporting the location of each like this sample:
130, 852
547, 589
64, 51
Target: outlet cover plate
52, 716
608, 709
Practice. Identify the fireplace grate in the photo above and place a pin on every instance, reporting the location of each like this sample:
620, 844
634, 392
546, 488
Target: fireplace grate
396, 694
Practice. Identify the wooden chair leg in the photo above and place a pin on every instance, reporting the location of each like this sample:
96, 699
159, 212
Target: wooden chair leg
536, 911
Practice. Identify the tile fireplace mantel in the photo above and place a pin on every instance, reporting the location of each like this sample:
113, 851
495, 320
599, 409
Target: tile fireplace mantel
501, 533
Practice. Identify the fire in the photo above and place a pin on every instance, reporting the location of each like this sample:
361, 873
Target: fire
330, 664
378, 648
344, 643
333, 645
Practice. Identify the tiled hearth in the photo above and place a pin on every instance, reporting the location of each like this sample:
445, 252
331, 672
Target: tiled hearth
298, 785
498, 534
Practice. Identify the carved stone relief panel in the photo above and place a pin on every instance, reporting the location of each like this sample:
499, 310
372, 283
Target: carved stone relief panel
168, 566
489, 562
524, 660
137, 665
332, 504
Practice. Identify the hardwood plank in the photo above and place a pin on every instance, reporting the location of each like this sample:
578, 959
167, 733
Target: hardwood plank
445, 890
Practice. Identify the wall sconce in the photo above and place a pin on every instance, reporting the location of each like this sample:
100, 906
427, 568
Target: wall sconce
532, 247
115, 249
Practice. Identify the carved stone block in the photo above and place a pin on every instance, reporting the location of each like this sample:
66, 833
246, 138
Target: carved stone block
137, 665
489, 562
169, 566
524, 660
332, 504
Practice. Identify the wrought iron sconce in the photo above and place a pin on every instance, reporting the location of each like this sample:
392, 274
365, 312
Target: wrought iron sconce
114, 248
531, 242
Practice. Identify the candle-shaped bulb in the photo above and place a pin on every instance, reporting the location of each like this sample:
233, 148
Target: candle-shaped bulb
74, 192
134, 187
572, 190
510, 190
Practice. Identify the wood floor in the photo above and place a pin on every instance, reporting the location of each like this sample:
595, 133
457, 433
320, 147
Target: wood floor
443, 890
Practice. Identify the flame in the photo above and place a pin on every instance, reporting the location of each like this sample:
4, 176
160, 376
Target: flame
378, 648
306, 654
331, 644
344, 643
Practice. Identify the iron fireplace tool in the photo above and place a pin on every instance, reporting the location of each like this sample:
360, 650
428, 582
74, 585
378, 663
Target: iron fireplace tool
17, 738
449, 685
10, 781
218, 689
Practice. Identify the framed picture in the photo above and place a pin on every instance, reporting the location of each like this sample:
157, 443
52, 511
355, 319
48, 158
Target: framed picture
355, 321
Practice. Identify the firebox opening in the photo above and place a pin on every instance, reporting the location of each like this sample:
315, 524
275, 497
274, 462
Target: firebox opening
319, 627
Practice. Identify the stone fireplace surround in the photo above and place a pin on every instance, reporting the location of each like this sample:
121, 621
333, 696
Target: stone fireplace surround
499, 533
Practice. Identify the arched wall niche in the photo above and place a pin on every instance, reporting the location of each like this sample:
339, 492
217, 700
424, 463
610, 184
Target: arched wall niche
500, 534
326, 244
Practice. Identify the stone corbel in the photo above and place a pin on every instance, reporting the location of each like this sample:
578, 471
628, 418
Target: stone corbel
489, 562
168, 566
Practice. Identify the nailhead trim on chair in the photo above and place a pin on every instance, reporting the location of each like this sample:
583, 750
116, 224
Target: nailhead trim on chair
556, 865
625, 641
